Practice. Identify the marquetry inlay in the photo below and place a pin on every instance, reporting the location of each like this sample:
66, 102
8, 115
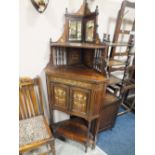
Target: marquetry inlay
60, 96
79, 101
71, 82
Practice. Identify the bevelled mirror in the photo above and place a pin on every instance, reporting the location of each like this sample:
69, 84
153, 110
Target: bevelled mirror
75, 30
90, 28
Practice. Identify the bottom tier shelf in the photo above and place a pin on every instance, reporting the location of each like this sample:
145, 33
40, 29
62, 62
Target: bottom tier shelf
74, 129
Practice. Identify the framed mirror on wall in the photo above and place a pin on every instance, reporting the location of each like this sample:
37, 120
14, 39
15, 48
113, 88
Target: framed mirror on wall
40, 5
90, 31
75, 30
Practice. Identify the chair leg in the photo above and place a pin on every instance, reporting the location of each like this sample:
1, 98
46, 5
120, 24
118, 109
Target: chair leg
52, 145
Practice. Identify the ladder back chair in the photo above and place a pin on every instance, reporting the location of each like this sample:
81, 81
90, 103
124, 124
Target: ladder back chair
33, 127
121, 51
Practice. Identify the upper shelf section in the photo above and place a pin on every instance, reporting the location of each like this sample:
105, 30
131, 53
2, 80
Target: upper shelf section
78, 45
80, 27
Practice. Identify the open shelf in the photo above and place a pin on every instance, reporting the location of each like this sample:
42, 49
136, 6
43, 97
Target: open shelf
74, 129
78, 45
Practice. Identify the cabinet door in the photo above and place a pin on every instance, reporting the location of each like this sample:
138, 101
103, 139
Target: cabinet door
79, 101
60, 96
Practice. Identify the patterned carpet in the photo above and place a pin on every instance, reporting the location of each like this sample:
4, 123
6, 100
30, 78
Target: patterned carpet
121, 139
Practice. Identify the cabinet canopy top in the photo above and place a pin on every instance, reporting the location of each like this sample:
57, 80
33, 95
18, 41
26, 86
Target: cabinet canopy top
81, 27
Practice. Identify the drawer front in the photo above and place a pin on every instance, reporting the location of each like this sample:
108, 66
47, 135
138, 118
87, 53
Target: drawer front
71, 82
60, 96
79, 101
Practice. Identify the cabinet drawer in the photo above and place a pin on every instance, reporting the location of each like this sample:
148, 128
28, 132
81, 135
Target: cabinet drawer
60, 94
79, 101
69, 82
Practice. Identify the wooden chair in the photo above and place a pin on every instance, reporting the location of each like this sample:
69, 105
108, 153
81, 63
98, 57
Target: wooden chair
33, 127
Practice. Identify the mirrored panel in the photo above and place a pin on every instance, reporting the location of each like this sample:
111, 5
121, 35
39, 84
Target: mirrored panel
75, 30
90, 26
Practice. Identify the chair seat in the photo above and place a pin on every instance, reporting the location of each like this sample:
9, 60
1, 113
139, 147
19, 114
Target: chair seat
33, 130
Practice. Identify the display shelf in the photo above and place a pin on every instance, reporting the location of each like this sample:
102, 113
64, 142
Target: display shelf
78, 45
74, 129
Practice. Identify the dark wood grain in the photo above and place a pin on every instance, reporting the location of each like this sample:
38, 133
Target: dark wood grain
109, 112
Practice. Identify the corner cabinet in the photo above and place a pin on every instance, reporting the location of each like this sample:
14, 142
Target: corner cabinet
72, 95
76, 77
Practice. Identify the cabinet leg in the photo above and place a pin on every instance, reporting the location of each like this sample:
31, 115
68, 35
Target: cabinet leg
95, 132
88, 135
94, 144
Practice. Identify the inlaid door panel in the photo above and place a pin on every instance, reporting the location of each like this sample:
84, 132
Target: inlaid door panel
60, 96
79, 101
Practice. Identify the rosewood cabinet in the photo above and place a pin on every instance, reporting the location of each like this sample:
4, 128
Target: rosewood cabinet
77, 95
76, 77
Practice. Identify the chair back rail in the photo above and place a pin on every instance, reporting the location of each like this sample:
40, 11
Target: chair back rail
30, 98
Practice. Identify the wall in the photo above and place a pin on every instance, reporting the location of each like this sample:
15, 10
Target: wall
36, 30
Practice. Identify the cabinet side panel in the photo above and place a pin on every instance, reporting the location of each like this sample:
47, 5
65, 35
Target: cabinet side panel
97, 99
